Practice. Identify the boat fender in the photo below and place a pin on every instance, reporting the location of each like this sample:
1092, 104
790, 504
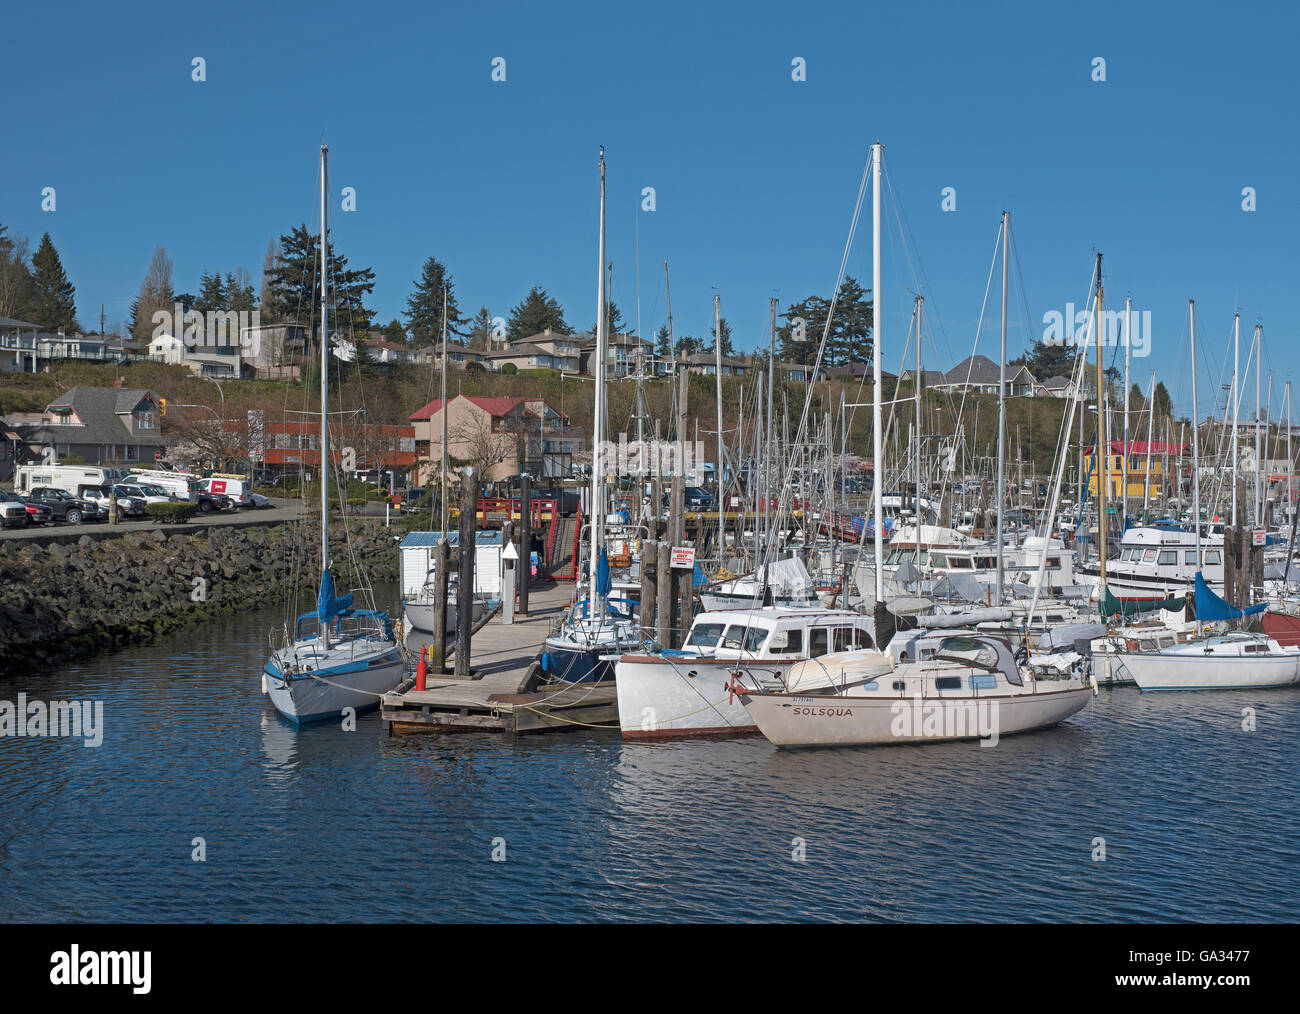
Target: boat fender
265, 689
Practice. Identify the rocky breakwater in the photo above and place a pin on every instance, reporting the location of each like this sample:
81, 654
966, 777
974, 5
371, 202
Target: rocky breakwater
61, 601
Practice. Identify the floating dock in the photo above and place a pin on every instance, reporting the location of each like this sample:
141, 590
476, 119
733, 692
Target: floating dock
495, 700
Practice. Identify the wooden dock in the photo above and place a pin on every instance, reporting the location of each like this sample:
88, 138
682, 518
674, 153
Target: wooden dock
495, 699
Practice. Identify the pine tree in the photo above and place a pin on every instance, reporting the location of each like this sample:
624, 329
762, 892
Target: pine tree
615, 318
727, 348
54, 302
212, 293
424, 305
294, 288
394, 332
535, 314
480, 332
663, 343
240, 294
1164, 404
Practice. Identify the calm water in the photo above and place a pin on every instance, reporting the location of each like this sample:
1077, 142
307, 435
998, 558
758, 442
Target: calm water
1199, 817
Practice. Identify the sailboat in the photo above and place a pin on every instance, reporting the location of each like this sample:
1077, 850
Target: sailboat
973, 686
338, 657
599, 628
1237, 660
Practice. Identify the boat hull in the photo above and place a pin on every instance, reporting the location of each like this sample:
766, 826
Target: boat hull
568, 664
790, 721
1210, 672
666, 697
303, 699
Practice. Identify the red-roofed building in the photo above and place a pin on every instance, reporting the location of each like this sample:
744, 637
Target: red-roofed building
503, 437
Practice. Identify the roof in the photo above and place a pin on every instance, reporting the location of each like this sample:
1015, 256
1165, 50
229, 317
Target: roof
11, 322
1143, 447
493, 406
974, 370
99, 409
520, 348
482, 537
1055, 383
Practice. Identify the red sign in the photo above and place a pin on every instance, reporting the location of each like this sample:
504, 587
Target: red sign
683, 557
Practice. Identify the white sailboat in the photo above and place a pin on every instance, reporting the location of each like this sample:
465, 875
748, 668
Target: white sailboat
338, 657
1235, 661
972, 686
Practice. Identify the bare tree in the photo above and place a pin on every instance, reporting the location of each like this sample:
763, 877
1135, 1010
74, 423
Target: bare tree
15, 275
156, 294
483, 447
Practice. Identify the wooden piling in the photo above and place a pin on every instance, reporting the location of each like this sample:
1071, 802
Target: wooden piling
525, 542
442, 564
465, 581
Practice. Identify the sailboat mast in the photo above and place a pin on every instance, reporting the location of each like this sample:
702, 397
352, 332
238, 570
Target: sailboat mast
1128, 345
1196, 442
597, 463
443, 371
717, 349
324, 369
1002, 414
877, 324
767, 445
1146, 472
1236, 403
1259, 461
1101, 458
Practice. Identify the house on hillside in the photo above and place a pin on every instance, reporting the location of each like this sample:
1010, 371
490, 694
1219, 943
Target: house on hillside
980, 375
99, 424
502, 436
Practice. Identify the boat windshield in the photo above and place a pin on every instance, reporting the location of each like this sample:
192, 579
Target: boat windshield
705, 635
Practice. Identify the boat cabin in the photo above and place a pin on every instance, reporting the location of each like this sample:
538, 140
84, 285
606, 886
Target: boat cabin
779, 633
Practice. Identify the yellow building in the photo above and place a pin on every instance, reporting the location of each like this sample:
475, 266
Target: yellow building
1146, 468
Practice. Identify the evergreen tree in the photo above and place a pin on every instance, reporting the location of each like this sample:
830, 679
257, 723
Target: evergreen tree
240, 294
1046, 361
480, 332
1164, 404
212, 292
663, 345
615, 319
54, 302
798, 337
727, 348
537, 312
424, 305
394, 331
850, 339
294, 288
689, 346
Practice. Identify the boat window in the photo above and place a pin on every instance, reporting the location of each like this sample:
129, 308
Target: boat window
947, 683
1212, 558
1189, 557
787, 642
900, 685
1149, 556
844, 639
983, 681
755, 637
733, 637
1168, 557
706, 635
817, 642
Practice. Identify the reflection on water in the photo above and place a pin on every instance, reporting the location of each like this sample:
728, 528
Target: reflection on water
315, 824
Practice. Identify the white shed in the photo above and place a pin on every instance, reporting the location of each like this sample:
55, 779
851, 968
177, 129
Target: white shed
417, 560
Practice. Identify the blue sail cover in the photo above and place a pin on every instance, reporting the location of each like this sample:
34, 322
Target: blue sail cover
603, 580
1209, 607
328, 605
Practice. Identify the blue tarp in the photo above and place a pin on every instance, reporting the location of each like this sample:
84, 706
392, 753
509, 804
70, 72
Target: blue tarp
328, 605
1209, 607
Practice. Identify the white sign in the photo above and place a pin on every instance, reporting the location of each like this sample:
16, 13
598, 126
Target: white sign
683, 557
1258, 537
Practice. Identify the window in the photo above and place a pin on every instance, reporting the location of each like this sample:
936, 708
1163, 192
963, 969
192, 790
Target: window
900, 685
1168, 558
706, 635
1189, 557
1149, 556
947, 682
817, 642
844, 640
1212, 558
983, 681
787, 642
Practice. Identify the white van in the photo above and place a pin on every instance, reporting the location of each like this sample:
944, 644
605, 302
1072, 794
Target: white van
72, 478
237, 487
181, 485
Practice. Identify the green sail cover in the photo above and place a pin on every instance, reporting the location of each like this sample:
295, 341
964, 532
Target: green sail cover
1111, 606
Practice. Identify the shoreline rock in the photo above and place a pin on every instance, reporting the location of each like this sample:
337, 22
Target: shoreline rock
61, 601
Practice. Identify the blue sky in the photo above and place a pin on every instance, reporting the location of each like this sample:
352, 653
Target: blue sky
755, 174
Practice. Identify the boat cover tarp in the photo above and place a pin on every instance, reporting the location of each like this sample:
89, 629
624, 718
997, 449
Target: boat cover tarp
1210, 607
960, 586
328, 605
1283, 628
603, 580
1068, 634
1111, 606
994, 614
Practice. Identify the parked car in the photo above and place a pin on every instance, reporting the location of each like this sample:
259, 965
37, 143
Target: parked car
37, 514
698, 498
259, 502
149, 494
66, 507
13, 513
415, 501
128, 506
